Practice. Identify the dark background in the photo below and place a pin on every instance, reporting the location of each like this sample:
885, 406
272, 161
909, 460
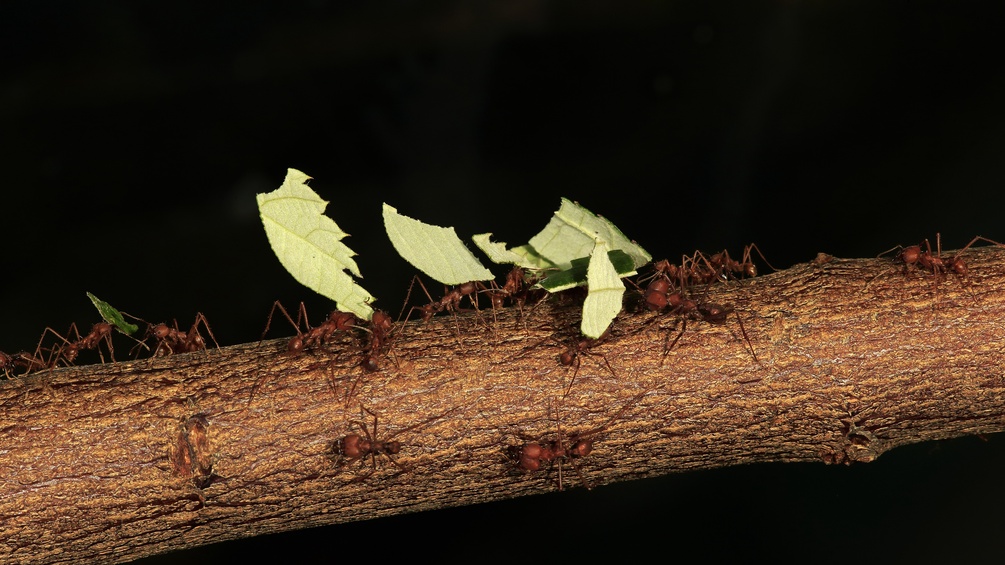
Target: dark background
134, 138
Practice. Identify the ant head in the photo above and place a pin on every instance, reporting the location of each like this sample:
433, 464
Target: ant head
381, 321
714, 313
296, 345
392, 447
343, 320
160, 331
101, 328
581, 448
749, 270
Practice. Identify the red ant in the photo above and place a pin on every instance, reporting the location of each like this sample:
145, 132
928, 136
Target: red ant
356, 447
380, 330
725, 265
313, 337
572, 356
657, 294
172, 340
9, 363
451, 301
531, 455
938, 265
68, 352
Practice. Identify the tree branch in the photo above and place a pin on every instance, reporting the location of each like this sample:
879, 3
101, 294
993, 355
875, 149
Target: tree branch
854, 357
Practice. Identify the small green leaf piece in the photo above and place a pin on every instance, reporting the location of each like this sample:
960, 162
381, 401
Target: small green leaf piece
434, 250
576, 274
309, 245
573, 232
498, 254
112, 316
605, 293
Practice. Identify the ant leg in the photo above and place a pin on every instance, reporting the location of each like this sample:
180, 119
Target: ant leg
747, 258
201, 318
747, 339
666, 350
268, 322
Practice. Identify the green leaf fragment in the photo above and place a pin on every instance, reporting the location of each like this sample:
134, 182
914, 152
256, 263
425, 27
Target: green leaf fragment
498, 254
434, 250
605, 293
573, 232
309, 246
112, 316
576, 274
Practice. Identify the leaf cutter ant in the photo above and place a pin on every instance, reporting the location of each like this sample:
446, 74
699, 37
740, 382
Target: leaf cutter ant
368, 444
531, 455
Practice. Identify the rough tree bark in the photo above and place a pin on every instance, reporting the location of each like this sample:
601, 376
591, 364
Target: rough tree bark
853, 357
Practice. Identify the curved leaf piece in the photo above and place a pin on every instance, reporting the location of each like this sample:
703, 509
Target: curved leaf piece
605, 293
575, 275
573, 232
498, 254
308, 244
434, 250
112, 316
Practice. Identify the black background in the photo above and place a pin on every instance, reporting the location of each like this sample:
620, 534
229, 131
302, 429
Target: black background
134, 138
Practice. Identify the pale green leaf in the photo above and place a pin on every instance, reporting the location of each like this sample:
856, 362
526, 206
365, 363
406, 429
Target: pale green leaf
572, 233
498, 254
112, 316
434, 250
309, 246
575, 275
605, 293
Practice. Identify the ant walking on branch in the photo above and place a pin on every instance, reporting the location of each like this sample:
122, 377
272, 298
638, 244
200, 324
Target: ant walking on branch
68, 351
10, 363
658, 295
313, 337
171, 340
531, 456
572, 357
925, 259
359, 446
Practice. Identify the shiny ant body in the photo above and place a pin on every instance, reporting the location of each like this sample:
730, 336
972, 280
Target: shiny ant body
313, 337
572, 356
11, 362
171, 340
101, 332
357, 447
658, 297
532, 455
450, 302
925, 259
380, 331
